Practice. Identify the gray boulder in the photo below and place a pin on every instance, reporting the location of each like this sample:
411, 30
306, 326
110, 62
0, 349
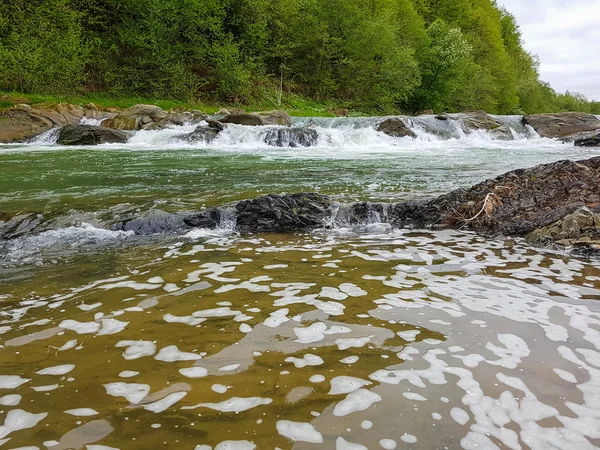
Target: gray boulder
90, 135
584, 139
210, 218
259, 119
202, 134
136, 118
291, 137
562, 124
395, 127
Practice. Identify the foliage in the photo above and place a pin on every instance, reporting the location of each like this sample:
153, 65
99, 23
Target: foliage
373, 55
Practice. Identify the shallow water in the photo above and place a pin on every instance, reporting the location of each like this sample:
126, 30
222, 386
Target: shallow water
346, 339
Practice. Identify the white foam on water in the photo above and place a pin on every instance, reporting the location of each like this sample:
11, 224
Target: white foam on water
299, 432
359, 400
165, 403
566, 376
409, 336
245, 328
310, 334
47, 388
80, 327
229, 368
388, 444
345, 385
235, 445
414, 396
346, 343
18, 419
366, 424
132, 392
343, 444
111, 326
277, 318
408, 438
219, 388
12, 381
82, 412
350, 360
194, 372
86, 308
317, 379
217, 312
10, 400
57, 370
172, 354
68, 345
137, 349
235, 404
99, 447
189, 320
306, 360
128, 374
459, 415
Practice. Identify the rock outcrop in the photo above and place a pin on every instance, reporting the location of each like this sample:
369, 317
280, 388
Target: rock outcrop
579, 229
585, 139
291, 137
562, 125
480, 120
259, 119
90, 135
24, 122
283, 213
395, 127
150, 117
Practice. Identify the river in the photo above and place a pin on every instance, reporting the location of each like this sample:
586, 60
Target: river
355, 337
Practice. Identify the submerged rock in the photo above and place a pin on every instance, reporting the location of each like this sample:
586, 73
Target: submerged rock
201, 134
283, 213
562, 124
90, 135
12, 227
211, 218
395, 127
480, 120
151, 222
292, 137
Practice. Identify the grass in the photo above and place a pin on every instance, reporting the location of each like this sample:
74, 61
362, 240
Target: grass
294, 104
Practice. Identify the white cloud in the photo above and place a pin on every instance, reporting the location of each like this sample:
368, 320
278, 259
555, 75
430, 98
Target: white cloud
565, 34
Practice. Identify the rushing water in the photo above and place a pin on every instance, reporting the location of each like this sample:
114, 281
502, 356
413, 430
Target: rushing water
346, 339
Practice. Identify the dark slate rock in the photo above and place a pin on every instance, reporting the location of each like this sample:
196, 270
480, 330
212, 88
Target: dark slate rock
205, 219
283, 213
90, 135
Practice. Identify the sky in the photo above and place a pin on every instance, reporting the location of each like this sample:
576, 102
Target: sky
565, 34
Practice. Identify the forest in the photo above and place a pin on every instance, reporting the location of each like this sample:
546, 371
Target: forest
379, 56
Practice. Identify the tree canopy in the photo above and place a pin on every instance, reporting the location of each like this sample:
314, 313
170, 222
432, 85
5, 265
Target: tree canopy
378, 55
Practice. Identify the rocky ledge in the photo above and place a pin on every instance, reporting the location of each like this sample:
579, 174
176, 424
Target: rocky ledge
555, 205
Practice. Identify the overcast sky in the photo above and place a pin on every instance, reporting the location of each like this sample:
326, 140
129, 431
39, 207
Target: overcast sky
565, 34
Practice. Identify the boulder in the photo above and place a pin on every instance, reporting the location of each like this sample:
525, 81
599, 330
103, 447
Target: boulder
291, 137
210, 218
580, 227
90, 135
283, 213
19, 225
253, 120
562, 124
24, 122
442, 116
202, 134
136, 117
513, 204
340, 112
151, 222
395, 127
259, 119
584, 139
278, 117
